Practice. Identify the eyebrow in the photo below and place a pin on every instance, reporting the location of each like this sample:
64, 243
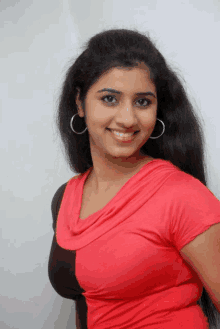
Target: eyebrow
119, 92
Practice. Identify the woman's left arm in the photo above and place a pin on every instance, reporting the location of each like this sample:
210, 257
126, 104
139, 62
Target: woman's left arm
203, 255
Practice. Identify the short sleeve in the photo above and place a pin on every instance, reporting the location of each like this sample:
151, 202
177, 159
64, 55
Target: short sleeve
55, 204
195, 208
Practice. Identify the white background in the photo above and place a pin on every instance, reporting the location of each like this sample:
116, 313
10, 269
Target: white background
39, 41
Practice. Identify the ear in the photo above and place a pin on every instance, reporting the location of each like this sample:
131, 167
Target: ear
79, 104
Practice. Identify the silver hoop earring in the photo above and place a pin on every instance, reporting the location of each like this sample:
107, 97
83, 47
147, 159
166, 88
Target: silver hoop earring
71, 122
162, 131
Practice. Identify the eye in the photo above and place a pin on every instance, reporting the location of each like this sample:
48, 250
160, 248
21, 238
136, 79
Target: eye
108, 97
146, 100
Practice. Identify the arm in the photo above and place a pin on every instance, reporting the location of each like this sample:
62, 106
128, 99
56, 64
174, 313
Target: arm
203, 255
58, 258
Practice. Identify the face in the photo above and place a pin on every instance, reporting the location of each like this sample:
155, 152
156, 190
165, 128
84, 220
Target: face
130, 106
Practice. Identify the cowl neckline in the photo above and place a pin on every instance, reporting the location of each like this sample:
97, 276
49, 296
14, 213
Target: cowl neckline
73, 233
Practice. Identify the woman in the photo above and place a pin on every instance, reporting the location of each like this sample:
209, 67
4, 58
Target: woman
137, 226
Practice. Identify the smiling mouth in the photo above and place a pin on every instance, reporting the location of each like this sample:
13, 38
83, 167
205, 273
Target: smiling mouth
123, 137
123, 133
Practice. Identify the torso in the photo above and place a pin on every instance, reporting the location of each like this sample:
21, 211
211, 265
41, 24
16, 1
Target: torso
92, 202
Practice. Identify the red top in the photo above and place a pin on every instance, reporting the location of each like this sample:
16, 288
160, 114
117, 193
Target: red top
127, 253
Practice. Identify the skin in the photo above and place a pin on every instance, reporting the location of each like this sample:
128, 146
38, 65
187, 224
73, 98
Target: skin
114, 161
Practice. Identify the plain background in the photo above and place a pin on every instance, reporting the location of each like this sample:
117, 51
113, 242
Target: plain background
39, 41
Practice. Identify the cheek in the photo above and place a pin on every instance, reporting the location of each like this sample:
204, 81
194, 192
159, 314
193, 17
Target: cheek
148, 121
101, 115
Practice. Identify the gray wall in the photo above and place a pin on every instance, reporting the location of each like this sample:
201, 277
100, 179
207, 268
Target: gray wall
38, 40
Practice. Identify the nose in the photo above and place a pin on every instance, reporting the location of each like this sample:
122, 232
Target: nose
126, 116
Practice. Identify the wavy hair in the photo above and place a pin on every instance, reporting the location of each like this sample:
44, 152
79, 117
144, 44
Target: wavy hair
182, 143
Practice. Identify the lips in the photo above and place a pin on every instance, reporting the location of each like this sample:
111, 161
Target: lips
123, 132
123, 139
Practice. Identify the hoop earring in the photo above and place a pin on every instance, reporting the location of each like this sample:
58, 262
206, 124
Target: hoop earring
162, 131
71, 121
79, 133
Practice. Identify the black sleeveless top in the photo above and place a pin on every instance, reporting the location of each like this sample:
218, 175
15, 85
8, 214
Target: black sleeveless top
61, 267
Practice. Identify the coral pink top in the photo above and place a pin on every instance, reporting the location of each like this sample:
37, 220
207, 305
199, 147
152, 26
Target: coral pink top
127, 254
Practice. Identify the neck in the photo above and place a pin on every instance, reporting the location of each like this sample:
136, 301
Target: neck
110, 172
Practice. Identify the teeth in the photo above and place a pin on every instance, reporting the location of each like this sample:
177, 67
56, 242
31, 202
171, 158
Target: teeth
122, 134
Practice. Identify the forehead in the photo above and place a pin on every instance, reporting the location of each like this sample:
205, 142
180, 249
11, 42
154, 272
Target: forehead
135, 79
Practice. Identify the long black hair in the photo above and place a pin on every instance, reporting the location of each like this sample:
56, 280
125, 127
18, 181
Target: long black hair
183, 142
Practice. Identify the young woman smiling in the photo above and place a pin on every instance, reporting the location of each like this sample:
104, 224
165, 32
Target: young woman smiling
137, 231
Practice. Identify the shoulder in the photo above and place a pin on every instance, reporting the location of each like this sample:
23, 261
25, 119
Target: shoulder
56, 201
59, 193
183, 184
57, 198
188, 195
